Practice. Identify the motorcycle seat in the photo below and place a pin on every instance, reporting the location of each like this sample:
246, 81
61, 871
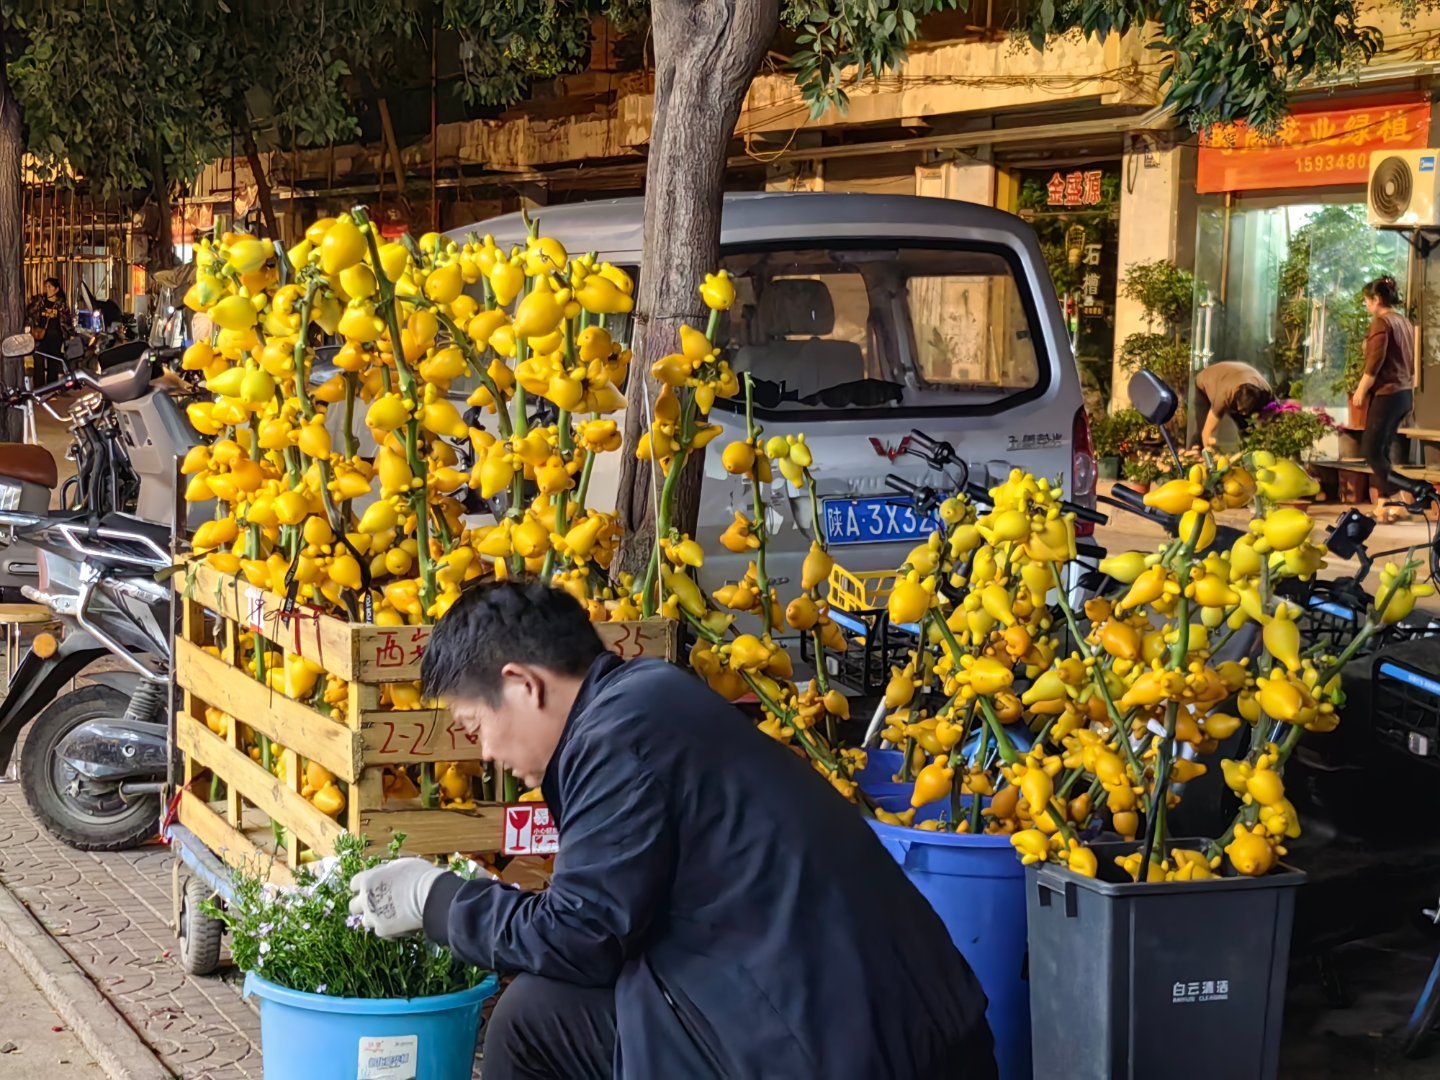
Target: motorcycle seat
30, 464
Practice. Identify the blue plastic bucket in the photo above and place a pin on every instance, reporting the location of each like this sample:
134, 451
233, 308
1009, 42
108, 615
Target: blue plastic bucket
977, 886
317, 1037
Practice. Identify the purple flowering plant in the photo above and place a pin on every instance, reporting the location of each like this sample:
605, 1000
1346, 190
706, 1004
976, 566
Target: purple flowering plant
305, 938
1288, 429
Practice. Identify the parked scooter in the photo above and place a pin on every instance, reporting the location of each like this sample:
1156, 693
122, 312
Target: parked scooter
95, 759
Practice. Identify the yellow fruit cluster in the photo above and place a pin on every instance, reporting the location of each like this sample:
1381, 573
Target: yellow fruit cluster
1123, 698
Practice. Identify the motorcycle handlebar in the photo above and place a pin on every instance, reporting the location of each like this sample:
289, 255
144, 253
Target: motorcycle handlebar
1082, 513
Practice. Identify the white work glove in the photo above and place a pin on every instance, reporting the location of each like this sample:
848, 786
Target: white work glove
390, 899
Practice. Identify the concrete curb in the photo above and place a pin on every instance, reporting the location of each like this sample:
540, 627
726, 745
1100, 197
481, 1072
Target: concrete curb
111, 1041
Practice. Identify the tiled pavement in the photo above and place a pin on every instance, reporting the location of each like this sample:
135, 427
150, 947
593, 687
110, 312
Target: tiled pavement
112, 913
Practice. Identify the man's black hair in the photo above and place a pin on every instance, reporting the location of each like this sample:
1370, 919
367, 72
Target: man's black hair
1250, 399
505, 622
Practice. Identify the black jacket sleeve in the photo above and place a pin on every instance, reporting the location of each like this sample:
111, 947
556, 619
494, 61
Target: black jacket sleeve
611, 874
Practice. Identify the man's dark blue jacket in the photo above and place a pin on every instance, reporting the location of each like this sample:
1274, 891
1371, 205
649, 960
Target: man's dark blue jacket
747, 916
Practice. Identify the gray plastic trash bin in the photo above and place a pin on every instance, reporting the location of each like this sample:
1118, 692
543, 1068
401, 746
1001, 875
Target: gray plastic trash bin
1174, 980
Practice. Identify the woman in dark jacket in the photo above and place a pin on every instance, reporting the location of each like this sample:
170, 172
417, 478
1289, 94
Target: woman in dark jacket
52, 323
1386, 390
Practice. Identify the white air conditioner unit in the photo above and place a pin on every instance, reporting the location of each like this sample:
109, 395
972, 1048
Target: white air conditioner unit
1404, 189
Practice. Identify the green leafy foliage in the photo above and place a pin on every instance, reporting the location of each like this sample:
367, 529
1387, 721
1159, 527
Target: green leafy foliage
1288, 430
1224, 62
1164, 290
1122, 433
127, 90
105, 88
1327, 263
848, 41
306, 939
1166, 293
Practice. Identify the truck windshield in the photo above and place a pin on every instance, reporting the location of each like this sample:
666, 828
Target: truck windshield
823, 329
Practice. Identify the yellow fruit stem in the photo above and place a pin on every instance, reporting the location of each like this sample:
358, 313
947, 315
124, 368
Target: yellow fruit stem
419, 498
307, 410
565, 443
1122, 723
475, 358
352, 444
762, 578
1179, 655
649, 594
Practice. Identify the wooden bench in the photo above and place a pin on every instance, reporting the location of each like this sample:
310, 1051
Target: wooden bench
14, 617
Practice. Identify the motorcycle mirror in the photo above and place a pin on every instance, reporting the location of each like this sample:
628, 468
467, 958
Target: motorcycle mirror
1153, 397
17, 345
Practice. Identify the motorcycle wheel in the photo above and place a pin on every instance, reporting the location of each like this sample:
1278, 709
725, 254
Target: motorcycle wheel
90, 820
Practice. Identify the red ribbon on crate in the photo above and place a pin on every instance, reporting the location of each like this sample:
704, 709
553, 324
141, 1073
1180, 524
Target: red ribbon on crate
172, 810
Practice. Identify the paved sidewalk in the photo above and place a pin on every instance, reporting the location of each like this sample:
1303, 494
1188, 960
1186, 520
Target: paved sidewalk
35, 1040
111, 913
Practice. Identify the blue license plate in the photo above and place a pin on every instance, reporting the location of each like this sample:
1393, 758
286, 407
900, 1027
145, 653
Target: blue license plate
883, 520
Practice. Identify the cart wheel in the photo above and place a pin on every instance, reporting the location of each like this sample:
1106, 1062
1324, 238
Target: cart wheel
1422, 1019
199, 933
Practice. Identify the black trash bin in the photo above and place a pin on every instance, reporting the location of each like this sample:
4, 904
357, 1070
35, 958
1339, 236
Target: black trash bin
1177, 979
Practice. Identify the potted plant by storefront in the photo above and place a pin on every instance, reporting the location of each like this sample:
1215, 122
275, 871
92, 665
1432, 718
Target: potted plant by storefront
334, 996
1116, 437
1288, 429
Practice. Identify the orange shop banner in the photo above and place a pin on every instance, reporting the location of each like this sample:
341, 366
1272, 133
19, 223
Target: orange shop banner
1311, 149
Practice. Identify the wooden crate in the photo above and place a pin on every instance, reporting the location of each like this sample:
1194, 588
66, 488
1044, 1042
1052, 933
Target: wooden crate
256, 807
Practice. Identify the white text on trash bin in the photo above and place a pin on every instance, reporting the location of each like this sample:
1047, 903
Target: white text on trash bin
1192, 993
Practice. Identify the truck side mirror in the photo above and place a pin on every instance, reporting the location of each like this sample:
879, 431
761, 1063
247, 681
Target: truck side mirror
1153, 398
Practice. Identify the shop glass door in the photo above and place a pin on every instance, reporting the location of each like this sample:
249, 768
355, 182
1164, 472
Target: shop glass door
1280, 289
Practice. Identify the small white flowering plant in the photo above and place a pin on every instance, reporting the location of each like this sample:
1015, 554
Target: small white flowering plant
305, 938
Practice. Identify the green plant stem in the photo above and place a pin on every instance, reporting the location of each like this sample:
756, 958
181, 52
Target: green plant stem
419, 502
757, 501
666, 509
1122, 724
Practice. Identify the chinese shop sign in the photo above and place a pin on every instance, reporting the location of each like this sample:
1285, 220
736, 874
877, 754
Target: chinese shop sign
1078, 188
1311, 149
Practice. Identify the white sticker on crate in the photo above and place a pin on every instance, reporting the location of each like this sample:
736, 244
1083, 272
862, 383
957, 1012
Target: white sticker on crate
389, 1057
255, 608
1192, 993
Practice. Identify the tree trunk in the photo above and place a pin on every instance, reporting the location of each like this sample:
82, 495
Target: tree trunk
163, 257
262, 186
706, 55
12, 240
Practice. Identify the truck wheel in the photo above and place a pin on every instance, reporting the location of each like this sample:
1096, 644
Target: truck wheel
199, 933
85, 816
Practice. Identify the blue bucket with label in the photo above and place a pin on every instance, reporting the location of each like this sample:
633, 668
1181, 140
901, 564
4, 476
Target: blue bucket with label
977, 886
315, 1036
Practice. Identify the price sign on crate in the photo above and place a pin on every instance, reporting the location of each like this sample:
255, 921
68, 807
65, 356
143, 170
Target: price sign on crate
530, 830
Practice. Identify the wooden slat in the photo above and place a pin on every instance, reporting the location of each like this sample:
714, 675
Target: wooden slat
1422, 433
317, 637
393, 653
373, 654
266, 791
229, 843
289, 722
391, 737
437, 832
